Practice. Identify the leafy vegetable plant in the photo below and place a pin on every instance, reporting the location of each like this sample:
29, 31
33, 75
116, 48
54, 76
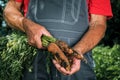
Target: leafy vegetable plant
14, 54
107, 60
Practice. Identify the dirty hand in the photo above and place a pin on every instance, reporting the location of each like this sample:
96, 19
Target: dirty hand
74, 68
34, 32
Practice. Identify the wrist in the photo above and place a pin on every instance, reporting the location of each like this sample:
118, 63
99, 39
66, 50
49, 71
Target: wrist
78, 50
78, 53
26, 23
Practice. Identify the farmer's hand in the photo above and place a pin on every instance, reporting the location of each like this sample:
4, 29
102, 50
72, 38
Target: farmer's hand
75, 67
34, 32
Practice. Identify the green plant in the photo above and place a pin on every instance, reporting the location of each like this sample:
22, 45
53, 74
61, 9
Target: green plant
107, 60
15, 53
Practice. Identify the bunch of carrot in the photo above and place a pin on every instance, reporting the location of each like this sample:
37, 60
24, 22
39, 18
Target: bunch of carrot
61, 52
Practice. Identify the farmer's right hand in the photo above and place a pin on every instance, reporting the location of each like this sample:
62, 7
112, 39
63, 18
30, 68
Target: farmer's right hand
34, 32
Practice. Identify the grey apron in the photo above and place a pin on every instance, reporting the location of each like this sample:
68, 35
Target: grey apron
66, 20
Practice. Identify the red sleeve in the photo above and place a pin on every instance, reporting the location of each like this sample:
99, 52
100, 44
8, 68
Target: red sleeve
102, 7
18, 0
24, 6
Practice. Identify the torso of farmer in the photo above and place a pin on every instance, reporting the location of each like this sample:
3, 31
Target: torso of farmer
66, 20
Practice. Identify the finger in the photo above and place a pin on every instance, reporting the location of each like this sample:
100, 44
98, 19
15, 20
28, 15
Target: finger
63, 71
46, 32
56, 63
31, 42
38, 43
60, 68
75, 67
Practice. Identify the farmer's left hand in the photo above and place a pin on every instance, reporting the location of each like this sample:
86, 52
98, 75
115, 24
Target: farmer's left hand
74, 68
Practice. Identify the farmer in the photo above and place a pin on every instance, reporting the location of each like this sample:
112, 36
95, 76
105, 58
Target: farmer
80, 23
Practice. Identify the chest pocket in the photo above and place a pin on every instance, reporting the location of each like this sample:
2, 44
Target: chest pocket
62, 11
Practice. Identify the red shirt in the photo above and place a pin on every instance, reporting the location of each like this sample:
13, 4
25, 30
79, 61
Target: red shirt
101, 7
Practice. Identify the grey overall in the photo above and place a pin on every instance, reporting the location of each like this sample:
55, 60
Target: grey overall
66, 20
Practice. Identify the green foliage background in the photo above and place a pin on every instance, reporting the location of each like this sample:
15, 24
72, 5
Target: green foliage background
106, 54
107, 60
15, 53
